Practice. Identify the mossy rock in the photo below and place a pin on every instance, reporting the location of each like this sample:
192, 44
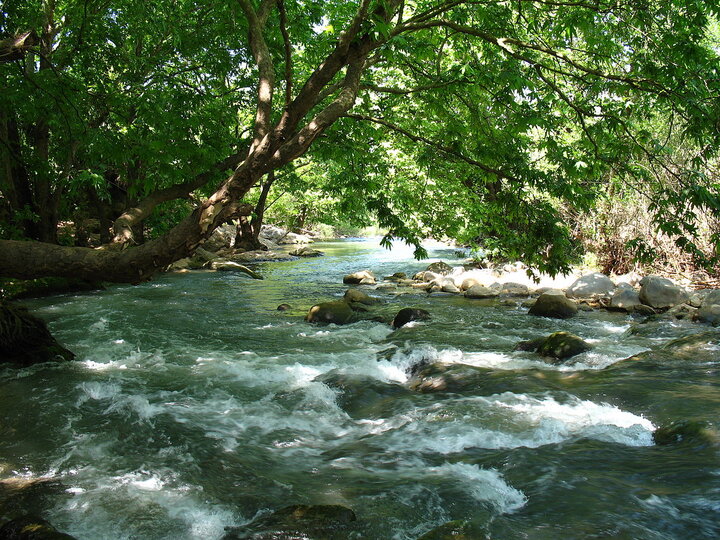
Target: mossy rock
453, 530
555, 306
338, 312
326, 522
25, 339
562, 345
31, 528
685, 431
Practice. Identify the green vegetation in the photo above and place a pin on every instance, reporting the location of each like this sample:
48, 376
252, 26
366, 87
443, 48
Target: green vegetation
534, 129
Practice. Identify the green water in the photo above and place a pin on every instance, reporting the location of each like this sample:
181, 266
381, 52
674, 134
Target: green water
194, 405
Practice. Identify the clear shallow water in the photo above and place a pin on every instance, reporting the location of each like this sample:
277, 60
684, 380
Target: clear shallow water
194, 405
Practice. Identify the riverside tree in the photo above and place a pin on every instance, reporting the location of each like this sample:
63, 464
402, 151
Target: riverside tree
475, 118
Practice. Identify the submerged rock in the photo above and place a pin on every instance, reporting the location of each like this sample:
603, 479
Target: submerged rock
26, 340
354, 295
454, 530
591, 285
306, 252
407, 315
284, 307
659, 292
338, 312
555, 306
685, 431
31, 528
297, 522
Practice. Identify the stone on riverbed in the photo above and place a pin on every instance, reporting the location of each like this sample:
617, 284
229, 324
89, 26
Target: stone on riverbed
356, 296
709, 314
562, 345
685, 431
364, 277
327, 522
306, 252
659, 292
478, 291
555, 306
31, 528
625, 299
439, 267
407, 315
338, 312
591, 285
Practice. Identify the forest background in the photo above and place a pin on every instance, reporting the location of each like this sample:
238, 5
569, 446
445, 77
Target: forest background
540, 131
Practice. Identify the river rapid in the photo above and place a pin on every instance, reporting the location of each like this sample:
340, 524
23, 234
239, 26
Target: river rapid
194, 405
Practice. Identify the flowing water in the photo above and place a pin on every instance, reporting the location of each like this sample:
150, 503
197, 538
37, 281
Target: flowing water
194, 405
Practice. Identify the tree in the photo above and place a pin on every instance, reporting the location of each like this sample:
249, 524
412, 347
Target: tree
506, 107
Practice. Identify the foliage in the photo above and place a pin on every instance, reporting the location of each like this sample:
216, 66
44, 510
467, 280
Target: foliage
499, 124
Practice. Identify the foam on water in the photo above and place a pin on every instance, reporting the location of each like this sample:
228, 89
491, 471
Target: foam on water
485, 485
508, 421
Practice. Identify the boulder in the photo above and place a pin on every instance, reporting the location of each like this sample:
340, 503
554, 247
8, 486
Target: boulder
25, 340
514, 289
354, 295
450, 287
478, 291
468, 283
439, 267
659, 292
709, 314
555, 306
222, 237
31, 528
407, 315
306, 252
685, 431
284, 307
712, 298
338, 312
562, 345
364, 277
624, 298
329, 522
591, 285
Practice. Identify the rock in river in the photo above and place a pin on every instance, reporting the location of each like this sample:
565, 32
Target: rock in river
327, 522
659, 292
364, 277
25, 339
407, 315
337, 312
555, 306
590, 286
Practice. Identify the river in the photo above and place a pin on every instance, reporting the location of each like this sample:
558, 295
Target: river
194, 405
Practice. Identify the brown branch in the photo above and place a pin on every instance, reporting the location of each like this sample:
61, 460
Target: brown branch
16, 47
266, 70
288, 51
123, 226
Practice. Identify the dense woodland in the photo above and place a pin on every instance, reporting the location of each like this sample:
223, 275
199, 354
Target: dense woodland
129, 131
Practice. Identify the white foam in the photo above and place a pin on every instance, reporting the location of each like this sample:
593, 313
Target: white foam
485, 485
